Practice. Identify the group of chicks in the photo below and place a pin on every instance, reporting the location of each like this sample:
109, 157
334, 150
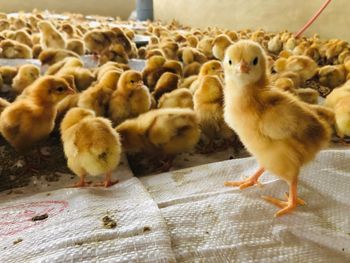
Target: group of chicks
176, 104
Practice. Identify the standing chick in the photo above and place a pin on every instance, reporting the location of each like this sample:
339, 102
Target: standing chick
130, 99
32, 118
279, 130
50, 36
91, 145
26, 75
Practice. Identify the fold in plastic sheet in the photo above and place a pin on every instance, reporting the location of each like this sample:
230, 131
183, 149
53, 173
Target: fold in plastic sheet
209, 222
73, 231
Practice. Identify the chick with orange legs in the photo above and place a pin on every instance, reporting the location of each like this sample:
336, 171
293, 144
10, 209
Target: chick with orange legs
280, 131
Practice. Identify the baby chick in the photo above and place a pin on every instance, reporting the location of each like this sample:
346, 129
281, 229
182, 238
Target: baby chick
50, 36
220, 43
14, 49
153, 71
279, 130
27, 74
97, 97
77, 46
333, 98
163, 133
8, 73
83, 77
116, 53
98, 40
212, 67
332, 76
178, 98
342, 117
65, 63
208, 104
91, 145
130, 99
51, 56
30, 119
166, 83
308, 95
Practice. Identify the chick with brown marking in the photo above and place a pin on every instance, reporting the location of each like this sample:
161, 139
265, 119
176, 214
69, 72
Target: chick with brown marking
162, 133
166, 83
130, 99
280, 131
26, 75
83, 77
97, 97
210, 68
174, 67
91, 145
51, 56
332, 76
8, 73
208, 102
304, 66
121, 38
3, 104
220, 44
98, 40
153, 71
178, 98
30, 119
116, 53
65, 63
77, 46
14, 49
50, 36
170, 49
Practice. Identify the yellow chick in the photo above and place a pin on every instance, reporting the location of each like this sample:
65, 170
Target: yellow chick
65, 63
308, 95
163, 133
342, 117
166, 83
97, 97
77, 46
208, 104
23, 37
52, 56
275, 44
50, 36
220, 43
8, 73
98, 40
333, 98
192, 69
26, 75
210, 68
178, 98
153, 71
83, 77
281, 132
205, 46
332, 76
14, 49
303, 65
130, 99
91, 145
31, 119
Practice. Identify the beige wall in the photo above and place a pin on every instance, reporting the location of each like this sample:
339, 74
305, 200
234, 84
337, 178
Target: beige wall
113, 8
272, 15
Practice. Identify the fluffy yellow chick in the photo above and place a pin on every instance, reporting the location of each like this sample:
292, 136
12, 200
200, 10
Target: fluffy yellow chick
166, 83
51, 56
205, 46
153, 71
50, 36
333, 98
77, 46
8, 73
30, 119
332, 76
65, 63
14, 49
98, 40
220, 43
83, 77
303, 65
275, 44
130, 99
97, 97
208, 104
342, 117
179, 98
280, 131
23, 37
163, 133
26, 75
210, 68
91, 145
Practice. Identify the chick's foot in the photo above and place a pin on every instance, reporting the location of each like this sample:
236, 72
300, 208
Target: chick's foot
247, 182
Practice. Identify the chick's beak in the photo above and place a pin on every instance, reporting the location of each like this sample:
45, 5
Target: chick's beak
139, 84
71, 91
243, 67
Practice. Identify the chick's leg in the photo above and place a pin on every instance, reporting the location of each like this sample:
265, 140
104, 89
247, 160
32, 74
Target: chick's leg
81, 182
108, 180
247, 182
291, 203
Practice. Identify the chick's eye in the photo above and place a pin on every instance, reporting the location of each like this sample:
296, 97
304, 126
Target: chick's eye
230, 62
132, 81
255, 61
60, 89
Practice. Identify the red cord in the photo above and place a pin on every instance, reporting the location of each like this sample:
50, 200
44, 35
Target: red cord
309, 23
